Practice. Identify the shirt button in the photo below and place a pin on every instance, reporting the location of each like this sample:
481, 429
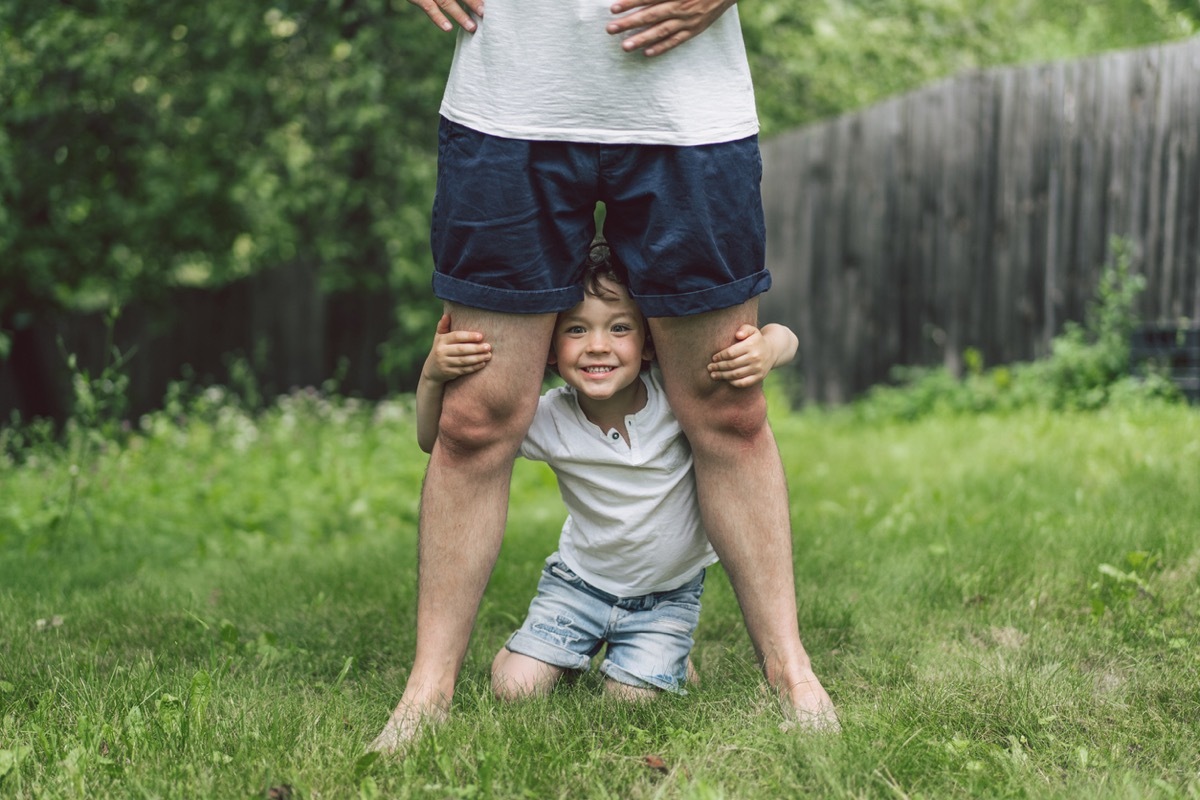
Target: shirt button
616, 436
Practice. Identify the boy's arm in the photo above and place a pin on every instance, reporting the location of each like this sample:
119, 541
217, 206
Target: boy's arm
756, 352
453, 354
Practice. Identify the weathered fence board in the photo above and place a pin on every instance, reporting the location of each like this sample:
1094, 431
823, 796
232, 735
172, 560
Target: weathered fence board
279, 322
978, 213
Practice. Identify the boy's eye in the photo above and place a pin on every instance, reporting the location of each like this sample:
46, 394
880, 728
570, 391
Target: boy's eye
576, 329
621, 327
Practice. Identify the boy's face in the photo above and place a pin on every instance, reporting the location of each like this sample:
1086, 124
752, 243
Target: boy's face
599, 345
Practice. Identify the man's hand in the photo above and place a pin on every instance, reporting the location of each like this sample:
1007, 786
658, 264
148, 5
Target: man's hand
442, 11
667, 23
455, 353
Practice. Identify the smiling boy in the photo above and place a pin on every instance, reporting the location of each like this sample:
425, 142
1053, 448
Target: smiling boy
629, 568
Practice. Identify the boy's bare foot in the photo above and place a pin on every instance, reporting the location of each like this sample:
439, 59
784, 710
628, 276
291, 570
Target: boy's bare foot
403, 727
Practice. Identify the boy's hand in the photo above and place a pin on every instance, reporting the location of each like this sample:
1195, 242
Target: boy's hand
745, 363
442, 11
666, 23
455, 353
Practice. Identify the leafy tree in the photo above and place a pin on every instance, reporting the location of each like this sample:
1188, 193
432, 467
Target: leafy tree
146, 145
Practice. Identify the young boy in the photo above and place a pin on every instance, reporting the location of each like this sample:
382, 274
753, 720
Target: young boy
629, 568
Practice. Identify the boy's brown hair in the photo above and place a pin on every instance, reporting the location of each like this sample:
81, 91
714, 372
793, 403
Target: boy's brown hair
600, 265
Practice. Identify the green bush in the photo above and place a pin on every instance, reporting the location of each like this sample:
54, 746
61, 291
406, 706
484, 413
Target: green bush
1088, 366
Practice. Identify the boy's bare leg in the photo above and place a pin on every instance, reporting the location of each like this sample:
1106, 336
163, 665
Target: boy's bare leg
743, 499
516, 676
464, 502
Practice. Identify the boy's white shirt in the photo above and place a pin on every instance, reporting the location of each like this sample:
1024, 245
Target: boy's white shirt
634, 521
548, 70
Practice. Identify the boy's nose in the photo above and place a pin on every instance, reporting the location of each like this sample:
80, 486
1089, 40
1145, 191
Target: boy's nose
597, 343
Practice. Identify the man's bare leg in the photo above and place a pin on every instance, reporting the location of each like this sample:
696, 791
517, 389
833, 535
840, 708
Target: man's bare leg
743, 499
464, 503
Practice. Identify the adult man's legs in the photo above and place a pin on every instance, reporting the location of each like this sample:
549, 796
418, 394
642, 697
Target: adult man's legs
464, 503
743, 498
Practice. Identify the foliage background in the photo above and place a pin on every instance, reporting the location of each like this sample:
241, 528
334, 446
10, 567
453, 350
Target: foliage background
150, 145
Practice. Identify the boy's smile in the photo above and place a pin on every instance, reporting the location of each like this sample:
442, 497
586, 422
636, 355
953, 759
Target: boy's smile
599, 347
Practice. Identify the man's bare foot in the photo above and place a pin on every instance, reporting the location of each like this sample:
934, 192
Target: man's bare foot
808, 707
405, 724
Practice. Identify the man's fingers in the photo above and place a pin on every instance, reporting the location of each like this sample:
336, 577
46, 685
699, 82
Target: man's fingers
658, 40
460, 15
662, 25
434, 13
641, 14
442, 11
650, 28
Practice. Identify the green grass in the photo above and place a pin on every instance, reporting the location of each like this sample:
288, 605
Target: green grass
1000, 605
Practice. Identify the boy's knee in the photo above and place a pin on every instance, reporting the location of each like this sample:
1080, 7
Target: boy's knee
504, 685
508, 692
518, 677
509, 688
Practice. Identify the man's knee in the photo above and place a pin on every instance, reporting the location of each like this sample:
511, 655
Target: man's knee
472, 424
726, 412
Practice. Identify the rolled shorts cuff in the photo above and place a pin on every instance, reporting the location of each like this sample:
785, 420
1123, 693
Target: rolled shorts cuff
505, 301
714, 298
611, 670
532, 646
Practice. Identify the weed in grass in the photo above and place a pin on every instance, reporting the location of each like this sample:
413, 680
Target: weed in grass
1117, 588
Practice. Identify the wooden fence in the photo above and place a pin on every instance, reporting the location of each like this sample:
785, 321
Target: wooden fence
978, 213
278, 323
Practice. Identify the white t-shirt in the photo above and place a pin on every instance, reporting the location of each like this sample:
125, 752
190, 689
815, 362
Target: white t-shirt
548, 70
634, 525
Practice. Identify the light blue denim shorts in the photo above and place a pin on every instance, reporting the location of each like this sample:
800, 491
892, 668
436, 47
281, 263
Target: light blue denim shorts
648, 637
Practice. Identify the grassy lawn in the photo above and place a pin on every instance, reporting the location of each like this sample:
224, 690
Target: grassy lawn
222, 605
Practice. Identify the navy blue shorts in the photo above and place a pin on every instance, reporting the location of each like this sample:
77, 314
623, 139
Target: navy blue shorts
513, 220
